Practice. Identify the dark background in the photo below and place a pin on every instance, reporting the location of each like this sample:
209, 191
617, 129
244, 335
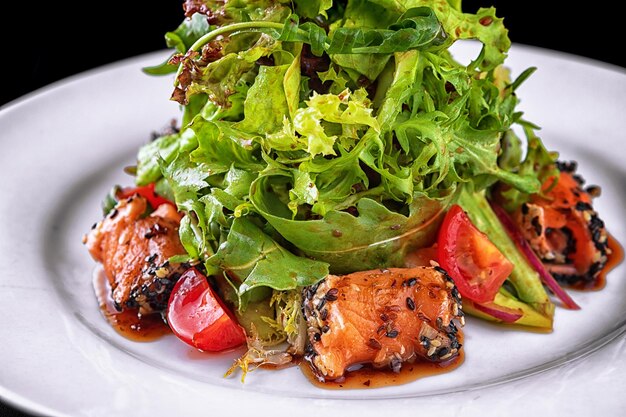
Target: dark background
54, 40
119, 29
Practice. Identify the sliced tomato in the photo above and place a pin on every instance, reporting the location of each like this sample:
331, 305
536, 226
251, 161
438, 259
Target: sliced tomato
476, 265
147, 192
199, 317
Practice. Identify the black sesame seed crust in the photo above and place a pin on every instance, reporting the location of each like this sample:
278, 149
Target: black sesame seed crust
438, 339
152, 292
566, 255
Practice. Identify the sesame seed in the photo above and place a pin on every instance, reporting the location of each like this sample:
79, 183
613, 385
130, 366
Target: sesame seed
409, 282
431, 351
392, 334
374, 344
162, 272
331, 295
325, 328
410, 303
395, 365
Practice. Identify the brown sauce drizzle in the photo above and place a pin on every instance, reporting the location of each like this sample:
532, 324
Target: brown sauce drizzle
127, 323
614, 259
152, 327
368, 377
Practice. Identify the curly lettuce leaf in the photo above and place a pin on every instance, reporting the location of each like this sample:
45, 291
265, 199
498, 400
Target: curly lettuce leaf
483, 26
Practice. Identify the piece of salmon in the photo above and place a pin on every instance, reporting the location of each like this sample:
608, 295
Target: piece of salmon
134, 250
564, 230
382, 318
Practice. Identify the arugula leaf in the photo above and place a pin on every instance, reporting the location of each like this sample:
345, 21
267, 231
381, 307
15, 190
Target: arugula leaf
538, 162
377, 237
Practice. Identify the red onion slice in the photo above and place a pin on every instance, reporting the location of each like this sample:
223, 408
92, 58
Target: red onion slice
505, 314
534, 261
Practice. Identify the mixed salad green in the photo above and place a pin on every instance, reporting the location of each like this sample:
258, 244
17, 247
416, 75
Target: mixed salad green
324, 136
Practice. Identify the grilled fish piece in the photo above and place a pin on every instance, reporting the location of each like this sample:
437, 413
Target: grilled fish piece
382, 318
564, 230
134, 251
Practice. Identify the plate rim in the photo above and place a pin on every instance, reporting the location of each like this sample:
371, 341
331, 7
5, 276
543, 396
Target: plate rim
28, 405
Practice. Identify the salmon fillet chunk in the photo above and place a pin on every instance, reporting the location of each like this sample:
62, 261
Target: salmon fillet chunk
382, 318
565, 231
134, 249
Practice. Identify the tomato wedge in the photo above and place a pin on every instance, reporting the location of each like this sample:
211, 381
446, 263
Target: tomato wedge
147, 192
476, 265
199, 318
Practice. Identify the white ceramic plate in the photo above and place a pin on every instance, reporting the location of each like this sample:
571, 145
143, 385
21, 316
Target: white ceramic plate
64, 146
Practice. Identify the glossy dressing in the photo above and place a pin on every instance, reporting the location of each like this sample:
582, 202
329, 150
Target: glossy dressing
127, 323
614, 259
368, 377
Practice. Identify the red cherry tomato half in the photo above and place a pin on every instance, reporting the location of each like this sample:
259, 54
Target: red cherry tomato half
199, 318
475, 264
147, 192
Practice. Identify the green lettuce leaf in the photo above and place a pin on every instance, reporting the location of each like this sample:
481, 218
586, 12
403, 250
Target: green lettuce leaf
376, 237
256, 260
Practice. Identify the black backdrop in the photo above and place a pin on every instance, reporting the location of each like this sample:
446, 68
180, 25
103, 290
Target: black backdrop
108, 33
47, 42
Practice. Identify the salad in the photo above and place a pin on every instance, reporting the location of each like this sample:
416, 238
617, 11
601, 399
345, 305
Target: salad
341, 189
